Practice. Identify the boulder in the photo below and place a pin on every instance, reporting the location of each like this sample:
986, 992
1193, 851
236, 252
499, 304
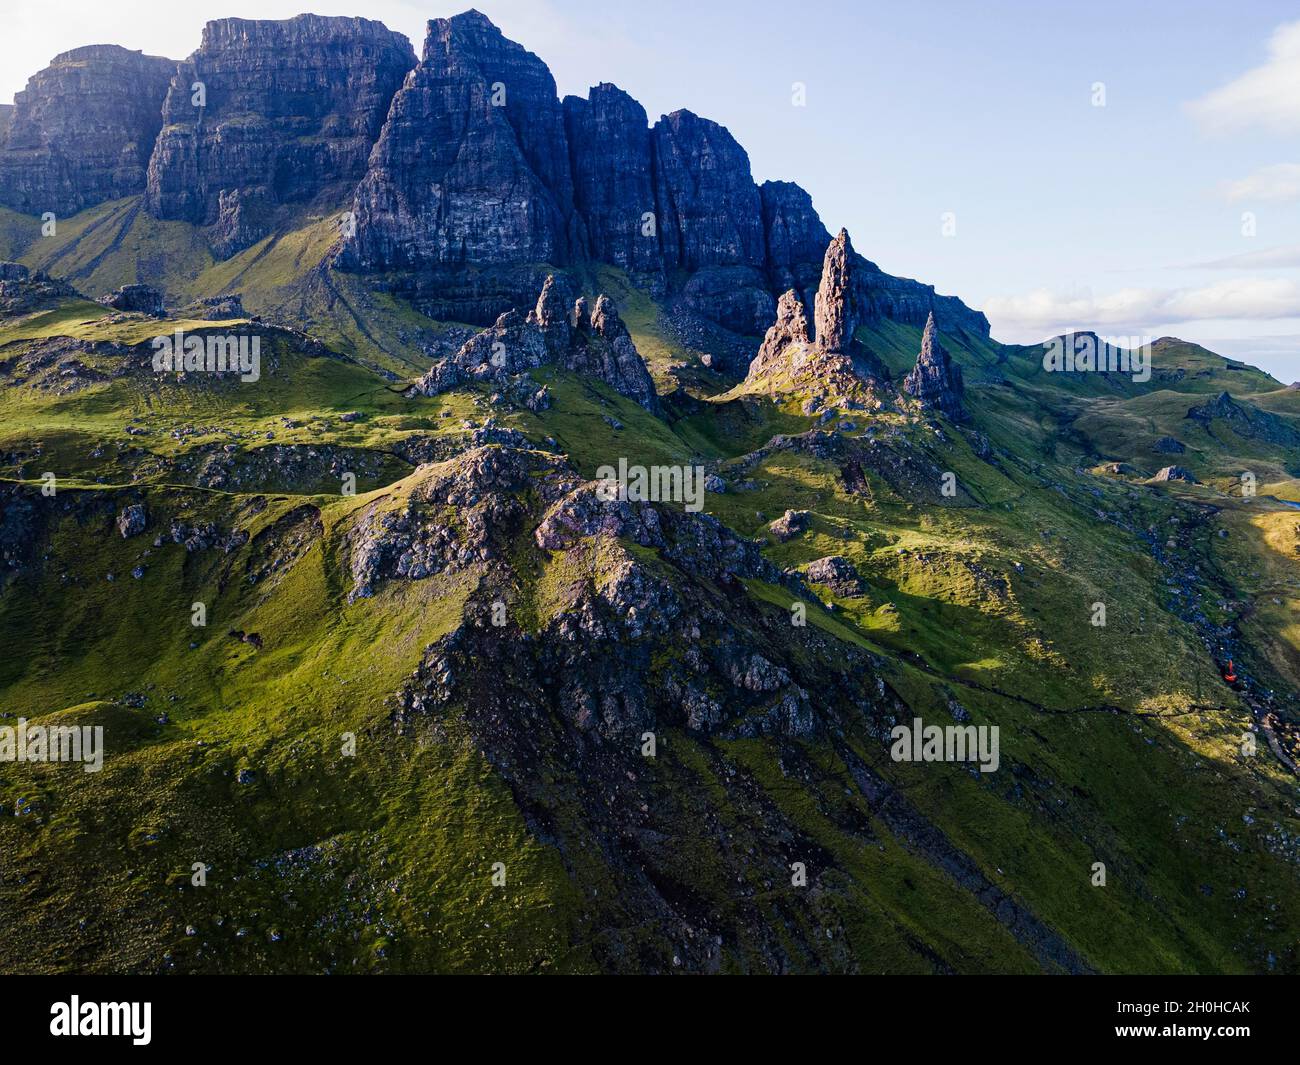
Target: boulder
837, 573
136, 299
132, 521
790, 524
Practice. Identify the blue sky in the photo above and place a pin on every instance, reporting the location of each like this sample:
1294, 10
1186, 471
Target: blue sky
1134, 218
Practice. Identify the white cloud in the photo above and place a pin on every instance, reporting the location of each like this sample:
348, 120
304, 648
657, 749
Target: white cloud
1277, 183
1266, 259
1266, 97
1143, 310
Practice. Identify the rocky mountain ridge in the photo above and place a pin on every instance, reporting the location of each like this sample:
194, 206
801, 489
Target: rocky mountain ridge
466, 170
267, 113
82, 131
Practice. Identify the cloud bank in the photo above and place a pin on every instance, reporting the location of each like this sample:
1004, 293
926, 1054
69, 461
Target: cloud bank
1267, 97
1143, 310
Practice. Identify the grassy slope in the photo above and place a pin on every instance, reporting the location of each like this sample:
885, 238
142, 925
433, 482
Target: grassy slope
382, 861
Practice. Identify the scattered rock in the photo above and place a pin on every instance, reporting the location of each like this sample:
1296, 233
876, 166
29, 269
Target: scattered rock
132, 520
1175, 473
790, 524
837, 573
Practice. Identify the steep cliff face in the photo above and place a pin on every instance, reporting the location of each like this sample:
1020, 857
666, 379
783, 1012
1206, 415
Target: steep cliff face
479, 166
523, 90
466, 174
711, 221
472, 166
611, 152
710, 210
270, 112
796, 238
82, 130
900, 299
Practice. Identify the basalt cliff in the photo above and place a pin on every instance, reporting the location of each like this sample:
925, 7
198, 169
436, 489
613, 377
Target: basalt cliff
546, 549
464, 173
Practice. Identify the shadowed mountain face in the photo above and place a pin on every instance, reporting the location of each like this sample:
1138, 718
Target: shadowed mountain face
471, 162
471, 166
271, 112
495, 535
586, 180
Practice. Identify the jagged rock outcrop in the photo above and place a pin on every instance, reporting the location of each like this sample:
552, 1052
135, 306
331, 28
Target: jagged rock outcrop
22, 292
1175, 473
1245, 419
610, 149
614, 359
786, 339
595, 343
459, 520
286, 109
833, 318
1221, 406
455, 515
138, 299
82, 130
1168, 445
472, 165
936, 380
830, 364
219, 308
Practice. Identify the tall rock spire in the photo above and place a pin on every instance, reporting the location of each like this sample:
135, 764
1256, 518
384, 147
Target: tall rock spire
833, 310
936, 379
786, 337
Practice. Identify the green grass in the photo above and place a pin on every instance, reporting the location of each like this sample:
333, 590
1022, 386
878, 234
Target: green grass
382, 861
